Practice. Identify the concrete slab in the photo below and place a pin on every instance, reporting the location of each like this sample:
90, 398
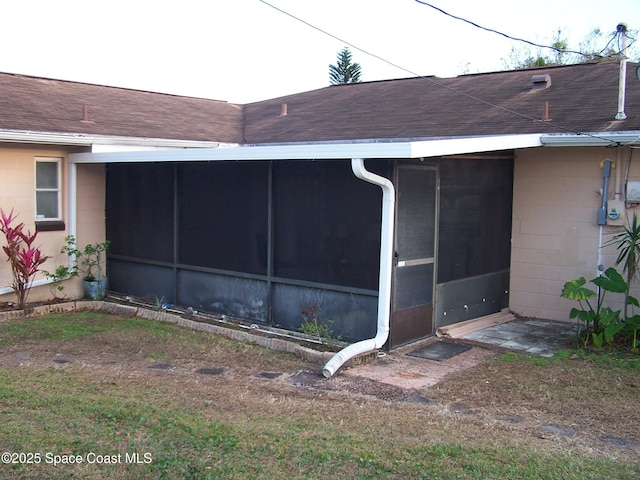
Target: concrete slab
401, 370
535, 336
542, 337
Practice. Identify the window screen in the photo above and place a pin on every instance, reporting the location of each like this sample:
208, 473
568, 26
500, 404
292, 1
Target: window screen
140, 205
475, 217
223, 215
326, 224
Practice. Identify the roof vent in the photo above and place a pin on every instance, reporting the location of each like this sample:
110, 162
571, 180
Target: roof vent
85, 114
540, 82
284, 110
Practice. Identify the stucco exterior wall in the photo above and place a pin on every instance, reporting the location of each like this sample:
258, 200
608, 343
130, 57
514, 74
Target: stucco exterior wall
17, 192
555, 234
90, 204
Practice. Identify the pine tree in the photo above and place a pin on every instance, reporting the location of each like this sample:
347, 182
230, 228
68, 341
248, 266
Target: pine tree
345, 71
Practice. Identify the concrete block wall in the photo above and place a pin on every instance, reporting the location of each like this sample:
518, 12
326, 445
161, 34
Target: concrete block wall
555, 234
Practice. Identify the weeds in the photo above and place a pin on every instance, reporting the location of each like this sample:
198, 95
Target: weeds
320, 331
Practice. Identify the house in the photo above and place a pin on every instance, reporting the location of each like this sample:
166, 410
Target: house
392, 207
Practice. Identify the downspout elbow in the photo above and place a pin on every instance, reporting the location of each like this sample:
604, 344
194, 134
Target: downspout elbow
386, 270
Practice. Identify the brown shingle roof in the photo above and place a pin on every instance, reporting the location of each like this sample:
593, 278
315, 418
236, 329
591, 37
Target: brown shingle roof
581, 98
45, 105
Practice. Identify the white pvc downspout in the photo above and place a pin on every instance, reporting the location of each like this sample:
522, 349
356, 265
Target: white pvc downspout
386, 270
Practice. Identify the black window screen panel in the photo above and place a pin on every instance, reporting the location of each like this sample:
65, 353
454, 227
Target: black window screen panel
326, 224
139, 210
416, 214
475, 217
223, 215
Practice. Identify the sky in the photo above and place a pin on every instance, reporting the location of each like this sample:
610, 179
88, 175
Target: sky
244, 51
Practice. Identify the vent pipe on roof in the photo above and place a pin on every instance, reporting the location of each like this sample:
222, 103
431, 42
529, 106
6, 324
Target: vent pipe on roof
622, 86
284, 110
85, 114
545, 112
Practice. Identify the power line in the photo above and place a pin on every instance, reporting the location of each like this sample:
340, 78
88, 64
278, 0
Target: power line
339, 39
491, 30
436, 83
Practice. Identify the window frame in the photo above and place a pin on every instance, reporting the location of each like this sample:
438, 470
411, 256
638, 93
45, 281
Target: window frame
50, 222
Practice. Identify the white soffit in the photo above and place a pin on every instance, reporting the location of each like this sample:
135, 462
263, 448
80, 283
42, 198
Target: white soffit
320, 151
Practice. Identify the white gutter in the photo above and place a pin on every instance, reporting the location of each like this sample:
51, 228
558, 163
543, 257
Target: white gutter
590, 139
99, 142
386, 270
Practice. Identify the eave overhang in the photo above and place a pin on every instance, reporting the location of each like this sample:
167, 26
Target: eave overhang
322, 151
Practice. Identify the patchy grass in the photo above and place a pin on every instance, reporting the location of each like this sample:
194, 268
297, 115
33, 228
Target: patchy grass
104, 403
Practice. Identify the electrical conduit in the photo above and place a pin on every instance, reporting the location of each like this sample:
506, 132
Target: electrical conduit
386, 270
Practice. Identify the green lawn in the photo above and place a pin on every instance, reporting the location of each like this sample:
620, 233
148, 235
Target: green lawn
77, 388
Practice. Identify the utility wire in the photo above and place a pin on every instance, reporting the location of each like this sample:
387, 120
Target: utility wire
339, 39
491, 30
439, 84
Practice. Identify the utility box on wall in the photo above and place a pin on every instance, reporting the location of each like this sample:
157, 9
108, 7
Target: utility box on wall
615, 212
633, 192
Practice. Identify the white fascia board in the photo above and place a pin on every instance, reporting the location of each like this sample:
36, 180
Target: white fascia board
458, 146
99, 142
320, 151
591, 139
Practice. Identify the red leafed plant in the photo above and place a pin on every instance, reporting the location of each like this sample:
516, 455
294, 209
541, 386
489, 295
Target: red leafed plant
23, 257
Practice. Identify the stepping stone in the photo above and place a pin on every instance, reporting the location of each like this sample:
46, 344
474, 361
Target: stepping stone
267, 375
512, 418
160, 366
419, 399
561, 431
211, 371
305, 379
620, 442
461, 409
61, 361
439, 350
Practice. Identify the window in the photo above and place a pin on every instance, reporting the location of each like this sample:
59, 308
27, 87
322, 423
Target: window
48, 192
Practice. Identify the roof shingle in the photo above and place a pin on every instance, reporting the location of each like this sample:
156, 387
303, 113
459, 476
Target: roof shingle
581, 98
45, 105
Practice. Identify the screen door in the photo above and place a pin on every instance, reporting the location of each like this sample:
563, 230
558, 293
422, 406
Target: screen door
412, 305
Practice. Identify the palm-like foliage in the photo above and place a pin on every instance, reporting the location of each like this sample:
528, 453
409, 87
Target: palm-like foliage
345, 71
628, 245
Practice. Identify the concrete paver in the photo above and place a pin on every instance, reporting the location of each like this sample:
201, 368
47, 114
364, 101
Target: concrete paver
535, 336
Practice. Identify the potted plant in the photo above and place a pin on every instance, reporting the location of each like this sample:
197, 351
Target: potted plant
95, 281
87, 262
